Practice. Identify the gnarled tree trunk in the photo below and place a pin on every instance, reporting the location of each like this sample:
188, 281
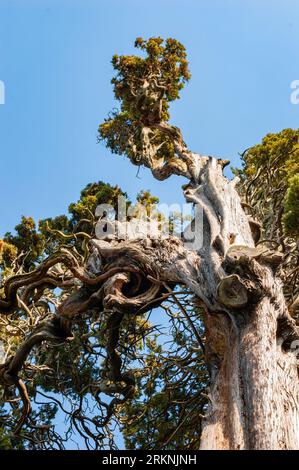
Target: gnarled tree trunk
250, 344
254, 381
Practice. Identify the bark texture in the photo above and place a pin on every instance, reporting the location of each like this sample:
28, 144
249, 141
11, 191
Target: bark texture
254, 394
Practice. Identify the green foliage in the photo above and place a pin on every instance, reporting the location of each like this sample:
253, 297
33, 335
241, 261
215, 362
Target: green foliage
67, 369
270, 188
145, 86
165, 62
8, 253
28, 242
291, 208
146, 203
270, 175
8, 442
91, 196
170, 400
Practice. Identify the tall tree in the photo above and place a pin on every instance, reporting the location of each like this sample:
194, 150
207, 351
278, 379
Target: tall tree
110, 282
249, 331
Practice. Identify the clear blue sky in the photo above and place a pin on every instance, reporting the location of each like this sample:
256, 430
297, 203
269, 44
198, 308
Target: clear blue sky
55, 62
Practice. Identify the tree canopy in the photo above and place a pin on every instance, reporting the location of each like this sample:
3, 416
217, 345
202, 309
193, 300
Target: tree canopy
269, 187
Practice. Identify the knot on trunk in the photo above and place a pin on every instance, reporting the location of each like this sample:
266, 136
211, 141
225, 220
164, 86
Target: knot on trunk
242, 256
232, 292
245, 267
